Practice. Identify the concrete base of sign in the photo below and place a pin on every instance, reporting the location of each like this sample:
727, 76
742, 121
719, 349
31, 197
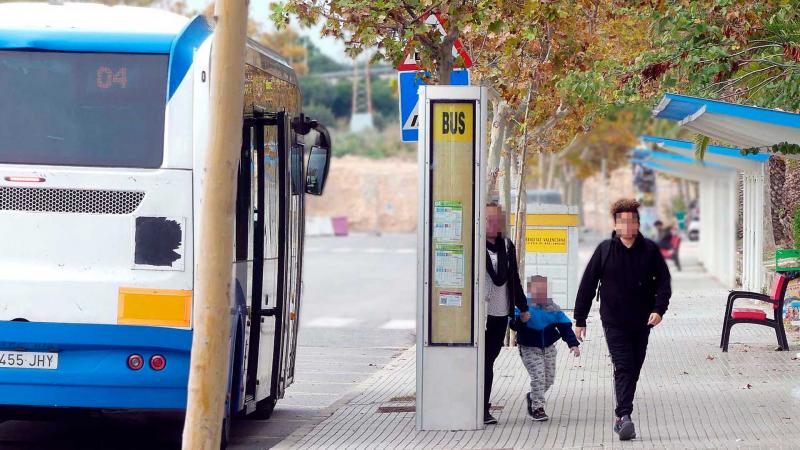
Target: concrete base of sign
450, 405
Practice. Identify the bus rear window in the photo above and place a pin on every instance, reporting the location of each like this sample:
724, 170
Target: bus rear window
82, 109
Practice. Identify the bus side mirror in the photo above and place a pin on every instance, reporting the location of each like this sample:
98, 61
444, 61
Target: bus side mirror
319, 160
317, 171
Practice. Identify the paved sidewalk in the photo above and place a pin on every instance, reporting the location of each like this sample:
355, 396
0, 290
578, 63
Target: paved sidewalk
691, 395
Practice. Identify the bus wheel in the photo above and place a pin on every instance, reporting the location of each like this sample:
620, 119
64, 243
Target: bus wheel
264, 409
225, 437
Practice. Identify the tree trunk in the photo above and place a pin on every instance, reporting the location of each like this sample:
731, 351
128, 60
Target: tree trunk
776, 170
681, 191
540, 159
579, 199
444, 53
208, 373
740, 200
521, 213
497, 138
553, 159
522, 197
791, 197
505, 185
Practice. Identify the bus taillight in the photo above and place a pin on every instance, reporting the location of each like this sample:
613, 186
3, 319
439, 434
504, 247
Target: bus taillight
135, 362
158, 362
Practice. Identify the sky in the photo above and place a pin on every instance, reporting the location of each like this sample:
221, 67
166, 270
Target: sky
259, 11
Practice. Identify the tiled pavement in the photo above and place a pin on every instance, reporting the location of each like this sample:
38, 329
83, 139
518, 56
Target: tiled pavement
691, 395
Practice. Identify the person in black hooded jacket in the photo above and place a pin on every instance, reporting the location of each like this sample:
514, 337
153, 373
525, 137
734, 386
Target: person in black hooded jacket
634, 295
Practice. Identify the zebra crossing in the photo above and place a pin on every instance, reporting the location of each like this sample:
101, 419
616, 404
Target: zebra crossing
351, 322
367, 250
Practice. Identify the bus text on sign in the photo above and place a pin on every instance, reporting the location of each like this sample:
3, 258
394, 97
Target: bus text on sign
453, 122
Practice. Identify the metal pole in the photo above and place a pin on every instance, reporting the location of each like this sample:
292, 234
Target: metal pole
208, 371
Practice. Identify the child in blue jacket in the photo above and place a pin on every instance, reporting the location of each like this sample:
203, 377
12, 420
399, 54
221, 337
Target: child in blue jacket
536, 339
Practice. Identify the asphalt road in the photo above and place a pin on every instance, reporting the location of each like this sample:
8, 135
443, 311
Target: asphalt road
358, 312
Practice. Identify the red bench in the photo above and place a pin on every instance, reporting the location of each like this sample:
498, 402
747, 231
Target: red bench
758, 316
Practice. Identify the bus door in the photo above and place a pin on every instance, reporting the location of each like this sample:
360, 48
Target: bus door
294, 243
288, 246
268, 275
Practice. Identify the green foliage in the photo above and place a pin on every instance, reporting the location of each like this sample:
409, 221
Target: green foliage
392, 27
317, 61
701, 145
678, 204
736, 51
338, 98
321, 113
372, 144
796, 228
384, 99
783, 148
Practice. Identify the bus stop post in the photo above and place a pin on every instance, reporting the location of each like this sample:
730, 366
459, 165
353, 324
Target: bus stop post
451, 258
208, 372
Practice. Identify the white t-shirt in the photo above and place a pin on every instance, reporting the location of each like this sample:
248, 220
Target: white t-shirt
495, 296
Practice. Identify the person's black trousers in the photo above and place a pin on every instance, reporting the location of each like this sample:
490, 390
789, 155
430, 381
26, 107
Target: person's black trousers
495, 334
628, 349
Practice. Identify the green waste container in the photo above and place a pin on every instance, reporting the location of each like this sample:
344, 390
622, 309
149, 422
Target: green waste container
681, 217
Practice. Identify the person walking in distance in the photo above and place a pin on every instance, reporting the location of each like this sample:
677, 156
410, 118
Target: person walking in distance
503, 291
634, 292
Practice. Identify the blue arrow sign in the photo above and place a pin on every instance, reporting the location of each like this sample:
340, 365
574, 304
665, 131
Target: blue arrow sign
409, 84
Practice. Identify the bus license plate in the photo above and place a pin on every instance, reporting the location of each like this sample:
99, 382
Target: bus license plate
28, 360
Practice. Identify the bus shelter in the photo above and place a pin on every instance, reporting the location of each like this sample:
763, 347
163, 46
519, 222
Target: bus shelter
742, 127
750, 169
718, 206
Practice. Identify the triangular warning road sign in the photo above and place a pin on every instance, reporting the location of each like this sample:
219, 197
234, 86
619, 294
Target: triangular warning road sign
412, 123
435, 20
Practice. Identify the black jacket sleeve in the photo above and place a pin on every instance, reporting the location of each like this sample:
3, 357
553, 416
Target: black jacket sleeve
515, 286
565, 330
587, 290
663, 283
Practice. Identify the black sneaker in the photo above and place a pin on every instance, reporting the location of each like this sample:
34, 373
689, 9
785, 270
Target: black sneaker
624, 428
530, 404
488, 418
539, 415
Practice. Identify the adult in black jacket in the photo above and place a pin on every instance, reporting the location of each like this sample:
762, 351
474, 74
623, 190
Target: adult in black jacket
503, 292
634, 295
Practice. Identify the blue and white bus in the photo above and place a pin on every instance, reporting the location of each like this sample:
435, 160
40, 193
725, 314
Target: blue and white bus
103, 130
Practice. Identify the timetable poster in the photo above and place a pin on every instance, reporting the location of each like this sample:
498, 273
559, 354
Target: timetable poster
449, 266
452, 156
448, 217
